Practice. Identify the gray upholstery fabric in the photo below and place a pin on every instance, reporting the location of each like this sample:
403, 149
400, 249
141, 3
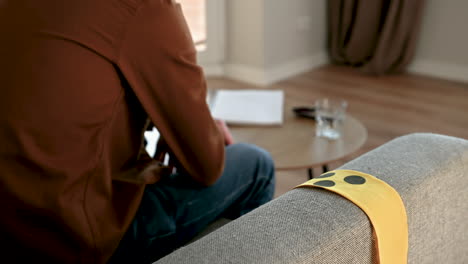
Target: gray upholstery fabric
316, 226
210, 228
431, 174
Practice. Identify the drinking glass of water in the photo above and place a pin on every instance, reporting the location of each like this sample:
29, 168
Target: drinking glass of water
329, 117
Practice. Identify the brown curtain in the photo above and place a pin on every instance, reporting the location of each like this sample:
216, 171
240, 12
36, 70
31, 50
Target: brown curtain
377, 36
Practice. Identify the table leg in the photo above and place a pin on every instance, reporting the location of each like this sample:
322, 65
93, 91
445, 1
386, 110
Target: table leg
325, 168
310, 171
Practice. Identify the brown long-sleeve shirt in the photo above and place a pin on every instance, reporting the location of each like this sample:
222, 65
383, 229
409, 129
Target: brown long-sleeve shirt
78, 79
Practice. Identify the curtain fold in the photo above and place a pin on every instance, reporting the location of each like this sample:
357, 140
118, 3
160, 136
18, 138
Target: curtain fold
377, 36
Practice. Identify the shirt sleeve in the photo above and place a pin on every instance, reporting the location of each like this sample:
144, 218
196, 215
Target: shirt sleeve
158, 59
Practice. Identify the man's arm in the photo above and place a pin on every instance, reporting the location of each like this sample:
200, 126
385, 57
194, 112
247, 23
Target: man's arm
228, 139
158, 59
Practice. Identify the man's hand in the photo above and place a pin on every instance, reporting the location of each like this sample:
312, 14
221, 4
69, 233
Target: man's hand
228, 140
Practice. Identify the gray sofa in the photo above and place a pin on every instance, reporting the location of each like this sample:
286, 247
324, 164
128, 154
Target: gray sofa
316, 226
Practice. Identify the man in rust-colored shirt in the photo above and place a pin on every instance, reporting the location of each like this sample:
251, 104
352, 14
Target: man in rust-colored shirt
78, 81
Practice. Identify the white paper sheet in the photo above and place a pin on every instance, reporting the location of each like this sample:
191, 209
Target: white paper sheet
249, 107
152, 138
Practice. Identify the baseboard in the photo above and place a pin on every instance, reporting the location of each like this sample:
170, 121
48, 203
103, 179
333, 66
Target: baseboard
288, 70
244, 73
455, 72
263, 77
214, 70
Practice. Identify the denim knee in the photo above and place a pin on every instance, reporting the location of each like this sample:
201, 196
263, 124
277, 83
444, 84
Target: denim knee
260, 159
254, 153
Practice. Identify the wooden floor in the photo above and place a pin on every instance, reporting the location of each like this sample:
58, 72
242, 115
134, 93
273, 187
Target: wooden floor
389, 106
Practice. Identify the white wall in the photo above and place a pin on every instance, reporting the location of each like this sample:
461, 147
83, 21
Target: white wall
271, 40
442, 50
244, 33
293, 30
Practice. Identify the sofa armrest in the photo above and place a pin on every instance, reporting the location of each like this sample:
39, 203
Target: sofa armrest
317, 226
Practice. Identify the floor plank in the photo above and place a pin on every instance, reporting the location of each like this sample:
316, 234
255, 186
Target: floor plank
389, 106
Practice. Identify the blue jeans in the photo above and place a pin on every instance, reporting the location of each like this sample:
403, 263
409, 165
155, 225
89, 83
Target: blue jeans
175, 209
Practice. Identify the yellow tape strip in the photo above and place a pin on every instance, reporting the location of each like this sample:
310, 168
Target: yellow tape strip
381, 203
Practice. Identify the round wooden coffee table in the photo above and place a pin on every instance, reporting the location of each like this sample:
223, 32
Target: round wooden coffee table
293, 145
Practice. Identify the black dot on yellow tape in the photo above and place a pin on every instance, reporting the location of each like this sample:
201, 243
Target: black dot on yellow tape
325, 183
354, 179
326, 175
